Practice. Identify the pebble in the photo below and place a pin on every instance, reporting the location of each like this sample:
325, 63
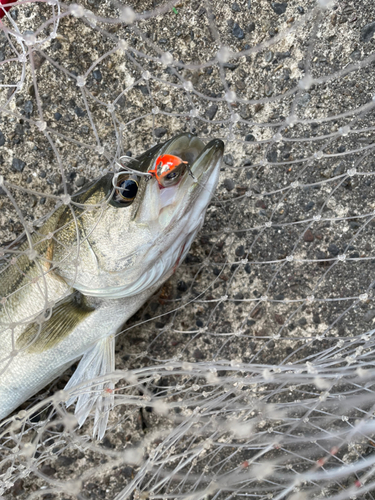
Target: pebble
211, 111
283, 55
369, 316
48, 470
80, 181
181, 286
79, 111
316, 319
198, 354
28, 107
268, 56
230, 66
356, 55
57, 116
18, 164
308, 236
228, 160
279, 319
236, 7
260, 204
304, 100
249, 138
272, 156
240, 251
229, 184
238, 297
56, 45
250, 28
302, 321
160, 131
240, 85
2, 139
127, 472
340, 169
97, 75
300, 9
238, 32
2, 55
333, 249
367, 32
279, 8
321, 255
143, 89
65, 461
56, 178
309, 206
17, 488
268, 89
341, 149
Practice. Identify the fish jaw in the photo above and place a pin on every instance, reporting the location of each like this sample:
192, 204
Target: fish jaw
163, 227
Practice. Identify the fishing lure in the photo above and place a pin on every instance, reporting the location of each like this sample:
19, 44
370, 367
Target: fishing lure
168, 169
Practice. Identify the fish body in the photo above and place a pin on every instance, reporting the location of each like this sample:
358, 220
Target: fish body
70, 287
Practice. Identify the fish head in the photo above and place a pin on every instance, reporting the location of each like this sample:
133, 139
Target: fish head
142, 229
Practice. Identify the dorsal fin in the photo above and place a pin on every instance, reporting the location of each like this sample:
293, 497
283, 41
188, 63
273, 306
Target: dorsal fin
46, 333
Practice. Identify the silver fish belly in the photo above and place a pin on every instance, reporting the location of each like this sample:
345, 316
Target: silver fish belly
70, 287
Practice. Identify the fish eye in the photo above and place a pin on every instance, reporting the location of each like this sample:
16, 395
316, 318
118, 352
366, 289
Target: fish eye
126, 189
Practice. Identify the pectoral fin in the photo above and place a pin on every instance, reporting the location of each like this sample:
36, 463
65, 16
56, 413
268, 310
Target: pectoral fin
46, 333
88, 391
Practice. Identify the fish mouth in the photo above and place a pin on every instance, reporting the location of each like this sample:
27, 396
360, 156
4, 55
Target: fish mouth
196, 186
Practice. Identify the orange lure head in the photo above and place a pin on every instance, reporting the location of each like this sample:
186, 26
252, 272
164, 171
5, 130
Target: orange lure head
168, 170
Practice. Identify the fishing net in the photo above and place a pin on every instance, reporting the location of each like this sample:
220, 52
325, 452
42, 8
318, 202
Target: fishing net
250, 374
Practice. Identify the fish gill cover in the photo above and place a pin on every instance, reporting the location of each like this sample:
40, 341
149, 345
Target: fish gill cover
250, 373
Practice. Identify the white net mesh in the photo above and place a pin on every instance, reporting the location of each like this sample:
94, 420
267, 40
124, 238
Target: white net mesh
250, 373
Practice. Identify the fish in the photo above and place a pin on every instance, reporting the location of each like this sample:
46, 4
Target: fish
67, 291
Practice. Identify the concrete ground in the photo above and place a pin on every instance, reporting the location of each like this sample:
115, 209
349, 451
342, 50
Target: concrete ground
248, 360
